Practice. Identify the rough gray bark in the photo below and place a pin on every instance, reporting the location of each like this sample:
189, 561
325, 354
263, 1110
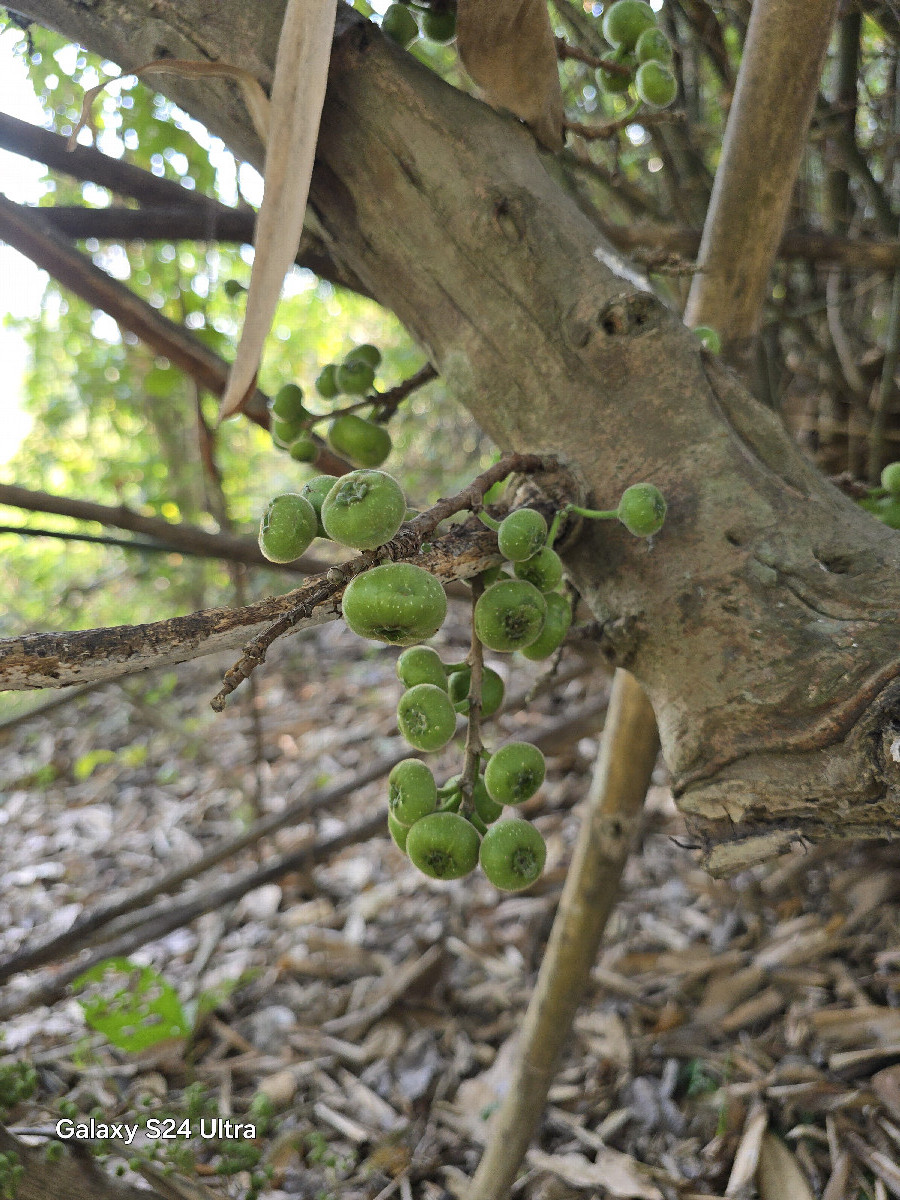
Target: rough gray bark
763, 620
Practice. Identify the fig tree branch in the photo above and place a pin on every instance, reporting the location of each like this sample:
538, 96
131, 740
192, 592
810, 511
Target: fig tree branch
60, 659
184, 213
404, 545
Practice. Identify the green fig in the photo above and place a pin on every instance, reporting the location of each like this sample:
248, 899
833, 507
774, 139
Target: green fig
398, 603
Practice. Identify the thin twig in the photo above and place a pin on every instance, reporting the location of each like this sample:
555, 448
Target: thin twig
384, 403
610, 128
167, 535
565, 50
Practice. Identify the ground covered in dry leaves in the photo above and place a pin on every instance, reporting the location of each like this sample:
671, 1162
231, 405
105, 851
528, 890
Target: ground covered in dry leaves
741, 1038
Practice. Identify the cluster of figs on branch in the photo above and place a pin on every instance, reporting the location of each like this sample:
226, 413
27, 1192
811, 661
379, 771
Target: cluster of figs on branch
518, 606
361, 439
640, 55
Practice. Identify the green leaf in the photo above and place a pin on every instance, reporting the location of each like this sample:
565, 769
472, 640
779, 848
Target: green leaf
145, 1010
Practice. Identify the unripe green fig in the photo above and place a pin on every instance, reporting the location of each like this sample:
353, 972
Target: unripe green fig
367, 352
303, 449
709, 338
544, 570
642, 509
625, 21
363, 442
613, 82
421, 664
653, 46
556, 626
412, 792
315, 490
326, 384
522, 534
287, 527
397, 603
288, 404
284, 432
364, 509
655, 84
512, 854
399, 25
397, 831
514, 773
439, 26
492, 690
509, 615
890, 478
443, 846
354, 377
425, 717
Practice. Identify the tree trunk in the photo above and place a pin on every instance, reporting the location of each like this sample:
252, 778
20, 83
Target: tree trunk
762, 621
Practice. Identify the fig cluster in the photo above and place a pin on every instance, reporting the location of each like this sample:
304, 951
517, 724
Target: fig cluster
447, 831
436, 22
361, 440
643, 52
361, 510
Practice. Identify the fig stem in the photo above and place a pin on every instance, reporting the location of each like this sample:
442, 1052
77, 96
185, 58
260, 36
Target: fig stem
596, 514
474, 745
488, 520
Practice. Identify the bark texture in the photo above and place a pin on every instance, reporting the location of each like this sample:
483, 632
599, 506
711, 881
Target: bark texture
762, 621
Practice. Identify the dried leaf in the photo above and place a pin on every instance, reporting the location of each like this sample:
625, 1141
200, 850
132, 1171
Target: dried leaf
298, 93
508, 48
618, 1174
779, 1176
746, 1160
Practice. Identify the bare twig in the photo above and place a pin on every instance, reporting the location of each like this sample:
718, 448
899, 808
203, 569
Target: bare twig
611, 128
385, 404
565, 50
474, 745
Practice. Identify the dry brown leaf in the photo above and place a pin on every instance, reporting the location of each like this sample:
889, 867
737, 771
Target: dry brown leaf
508, 48
779, 1176
298, 93
618, 1174
746, 1160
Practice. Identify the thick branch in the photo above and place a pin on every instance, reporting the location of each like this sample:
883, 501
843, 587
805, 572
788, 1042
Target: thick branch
43, 660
